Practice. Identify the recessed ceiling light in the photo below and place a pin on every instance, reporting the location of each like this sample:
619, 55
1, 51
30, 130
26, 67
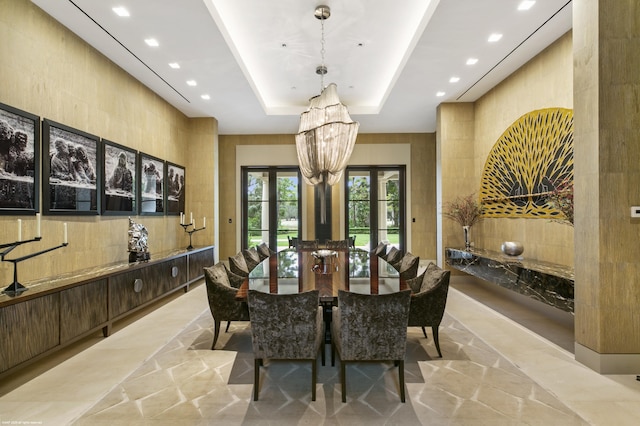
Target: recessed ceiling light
440, 94
152, 42
121, 11
174, 65
205, 97
454, 79
192, 83
472, 61
494, 37
526, 4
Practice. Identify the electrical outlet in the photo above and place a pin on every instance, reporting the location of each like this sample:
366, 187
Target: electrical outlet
635, 211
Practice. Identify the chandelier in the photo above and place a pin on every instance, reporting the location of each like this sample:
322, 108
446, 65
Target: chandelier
327, 134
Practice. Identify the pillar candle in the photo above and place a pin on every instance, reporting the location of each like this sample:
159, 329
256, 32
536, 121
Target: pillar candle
181, 218
192, 218
204, 222
64, 240
19, 229
38, 234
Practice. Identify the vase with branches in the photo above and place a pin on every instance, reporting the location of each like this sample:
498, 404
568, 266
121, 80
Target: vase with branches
466, 211
561, 199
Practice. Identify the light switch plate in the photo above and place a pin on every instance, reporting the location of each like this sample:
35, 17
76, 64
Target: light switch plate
635, 211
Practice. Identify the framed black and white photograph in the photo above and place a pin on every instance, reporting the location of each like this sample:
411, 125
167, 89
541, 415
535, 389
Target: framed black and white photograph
175, 179
71, 172
151, 184
119, 171
19, 161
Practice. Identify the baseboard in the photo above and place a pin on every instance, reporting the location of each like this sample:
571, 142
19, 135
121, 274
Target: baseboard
607, 363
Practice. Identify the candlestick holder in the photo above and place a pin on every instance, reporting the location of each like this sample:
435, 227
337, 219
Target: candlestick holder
186, 226
15, 288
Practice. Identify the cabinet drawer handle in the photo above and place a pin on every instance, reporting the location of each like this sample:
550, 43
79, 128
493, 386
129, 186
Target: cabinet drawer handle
174, 271
137, 285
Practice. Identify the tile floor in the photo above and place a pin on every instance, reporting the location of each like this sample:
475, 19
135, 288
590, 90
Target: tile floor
159, 370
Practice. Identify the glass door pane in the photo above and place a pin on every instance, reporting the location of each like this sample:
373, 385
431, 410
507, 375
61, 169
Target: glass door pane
257, 195
389, 207
288, 207
359, 207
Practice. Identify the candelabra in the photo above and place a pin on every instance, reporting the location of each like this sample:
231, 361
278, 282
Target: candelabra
193, 229
15, 288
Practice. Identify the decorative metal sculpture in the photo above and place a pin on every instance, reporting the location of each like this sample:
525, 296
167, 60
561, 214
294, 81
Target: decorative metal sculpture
138, 242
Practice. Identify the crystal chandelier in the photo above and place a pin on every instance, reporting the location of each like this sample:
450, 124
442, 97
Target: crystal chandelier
327, 134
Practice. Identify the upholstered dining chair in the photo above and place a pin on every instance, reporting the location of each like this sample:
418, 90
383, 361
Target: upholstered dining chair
251, 257
428, 300
407, 266
380, 250
393, 255
352, 241
264, 251
293, 242
337, 244
238, 264
366, 327
307, 244
286, 326
222, 299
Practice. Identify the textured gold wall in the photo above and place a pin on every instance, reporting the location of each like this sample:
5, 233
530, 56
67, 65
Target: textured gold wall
423, 162
48, 71
545, 81
607, 171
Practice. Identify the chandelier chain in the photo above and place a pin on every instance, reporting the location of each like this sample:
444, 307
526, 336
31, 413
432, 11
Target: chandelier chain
322, 55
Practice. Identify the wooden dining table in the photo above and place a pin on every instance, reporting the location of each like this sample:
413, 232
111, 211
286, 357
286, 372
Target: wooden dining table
294, 271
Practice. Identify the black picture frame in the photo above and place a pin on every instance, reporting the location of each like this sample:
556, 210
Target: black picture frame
175, 179
119, 179
19, 161
71, 170
151, 173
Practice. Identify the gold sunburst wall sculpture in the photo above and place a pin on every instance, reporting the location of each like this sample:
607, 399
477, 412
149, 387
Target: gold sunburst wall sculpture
528, 161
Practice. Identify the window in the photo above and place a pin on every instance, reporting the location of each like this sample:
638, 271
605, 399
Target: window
271, 208
375, 205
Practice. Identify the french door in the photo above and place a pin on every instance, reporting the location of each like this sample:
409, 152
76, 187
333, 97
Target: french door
271, 208
375, 205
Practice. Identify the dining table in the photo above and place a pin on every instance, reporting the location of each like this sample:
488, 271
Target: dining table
297, 270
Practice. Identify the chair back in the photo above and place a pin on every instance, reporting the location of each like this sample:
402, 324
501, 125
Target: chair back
221, 295
372, 327
337, 244
307, 244
285, 326
428, 305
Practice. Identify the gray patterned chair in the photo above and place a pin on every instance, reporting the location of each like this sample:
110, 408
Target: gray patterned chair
337, 244
252, 257
429, 300
380, 250
286, 326
264, 251
407, 266
367, 327
307, 244
393, 255
222, 299
238, 265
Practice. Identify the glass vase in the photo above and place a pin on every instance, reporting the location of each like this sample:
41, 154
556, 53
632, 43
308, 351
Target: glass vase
467, 241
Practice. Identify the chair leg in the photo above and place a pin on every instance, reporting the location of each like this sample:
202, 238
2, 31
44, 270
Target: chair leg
256, 378
401, 377
424, 332
435, 339
216, 332
343, 381
314, 375
226, 330
333, 353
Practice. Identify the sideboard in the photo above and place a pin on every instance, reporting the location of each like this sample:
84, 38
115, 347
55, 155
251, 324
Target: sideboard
56, 312
546, 282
